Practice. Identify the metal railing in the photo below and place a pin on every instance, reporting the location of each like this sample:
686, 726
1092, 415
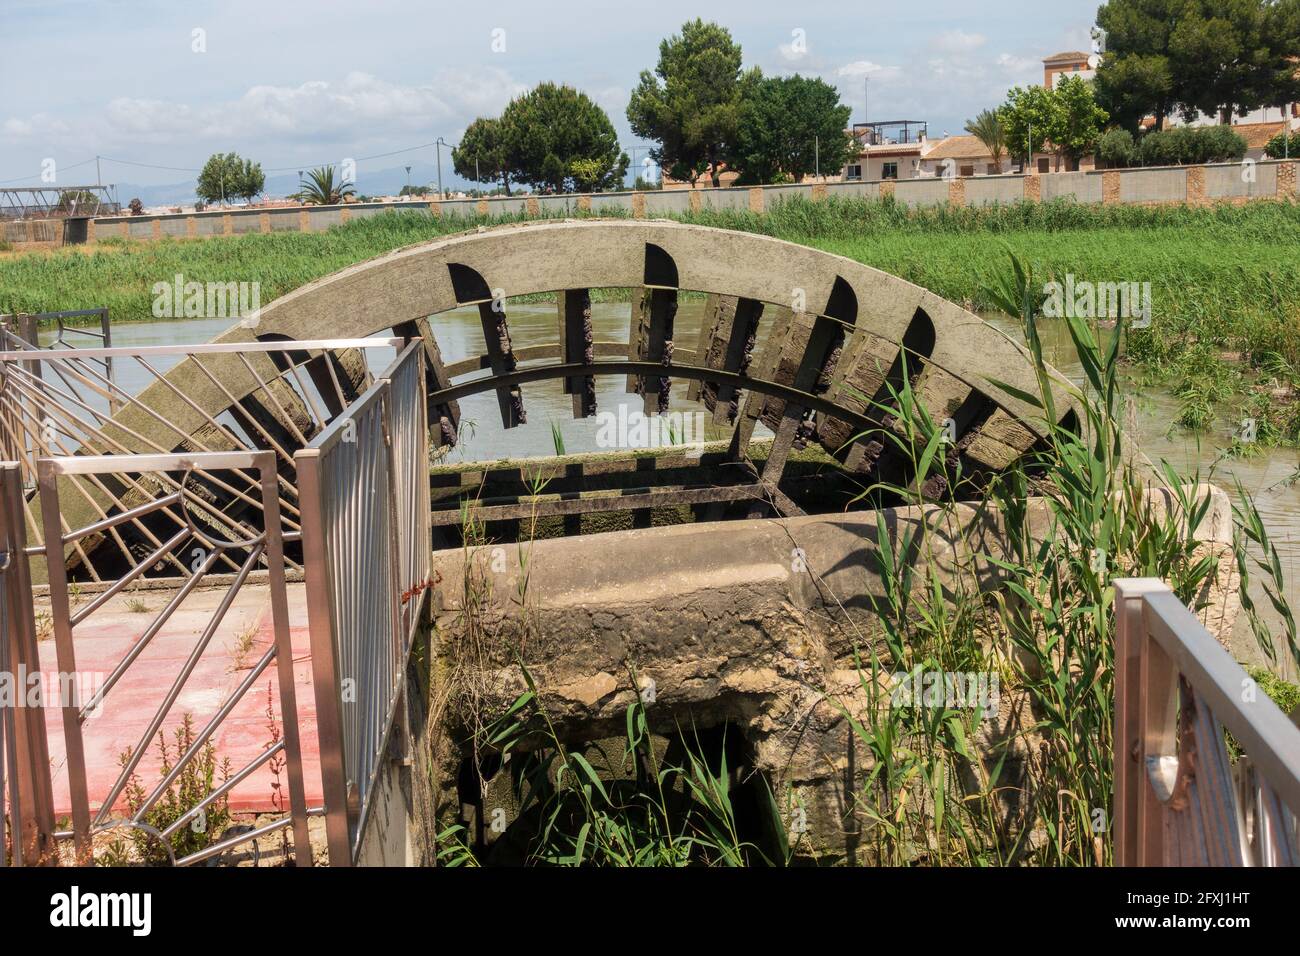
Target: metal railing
1180, 799
152, 400
26, 799
364, 492
209, 536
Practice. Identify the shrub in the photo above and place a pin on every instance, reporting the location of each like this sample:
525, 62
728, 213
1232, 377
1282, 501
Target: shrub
1116, 149
1191, 144
1278, 147
196, 782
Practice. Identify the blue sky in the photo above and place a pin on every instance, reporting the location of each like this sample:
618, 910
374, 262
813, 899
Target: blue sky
291, 83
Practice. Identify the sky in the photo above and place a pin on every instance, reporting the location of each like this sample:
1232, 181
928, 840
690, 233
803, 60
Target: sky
291, 83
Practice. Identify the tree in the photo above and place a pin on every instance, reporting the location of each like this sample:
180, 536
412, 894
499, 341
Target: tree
320, 189
557, 139
1134, 87
225, 176
1029, 118
251, 180
987, 128
791, 125
691, 104
1079, 120
482, 153
1235, 54
1185, 56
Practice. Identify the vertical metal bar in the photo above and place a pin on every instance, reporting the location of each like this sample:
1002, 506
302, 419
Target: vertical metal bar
61, 611
28, 330
324, 659
266, 466
25, 746
114, 403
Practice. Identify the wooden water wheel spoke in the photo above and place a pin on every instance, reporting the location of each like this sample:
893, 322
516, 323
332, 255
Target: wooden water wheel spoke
471, 289
577, 345
728, 333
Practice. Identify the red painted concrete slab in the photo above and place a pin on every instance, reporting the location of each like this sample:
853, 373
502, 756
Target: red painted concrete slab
103, 640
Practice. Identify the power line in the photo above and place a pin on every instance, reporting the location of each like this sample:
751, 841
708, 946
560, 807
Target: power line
84, 162
190, 169
128, 162
270, 169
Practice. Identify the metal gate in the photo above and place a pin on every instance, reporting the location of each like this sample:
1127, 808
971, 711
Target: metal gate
93, 813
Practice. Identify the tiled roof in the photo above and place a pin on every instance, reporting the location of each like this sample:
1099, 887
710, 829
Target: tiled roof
1257, 135
1069, 56
958, 147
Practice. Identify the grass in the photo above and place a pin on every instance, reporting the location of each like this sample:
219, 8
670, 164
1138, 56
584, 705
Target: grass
1225, 279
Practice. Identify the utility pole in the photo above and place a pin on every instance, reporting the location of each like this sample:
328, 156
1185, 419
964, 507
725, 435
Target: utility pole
817, 158
439, 145
408, 180
99, 180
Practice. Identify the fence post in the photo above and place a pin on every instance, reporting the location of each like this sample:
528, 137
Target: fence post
1129, 636
25, 752
272, 529
47, 478
324, 658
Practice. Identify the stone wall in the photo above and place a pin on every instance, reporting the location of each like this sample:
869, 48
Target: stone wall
1230, 182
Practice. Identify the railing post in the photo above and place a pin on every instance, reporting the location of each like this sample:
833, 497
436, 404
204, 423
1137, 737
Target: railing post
266, 473
1128, 762
22, 726
47, 478
324, 658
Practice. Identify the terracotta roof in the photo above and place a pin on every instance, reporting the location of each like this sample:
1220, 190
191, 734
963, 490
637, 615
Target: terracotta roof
1069, 56
1257, 135
958, 147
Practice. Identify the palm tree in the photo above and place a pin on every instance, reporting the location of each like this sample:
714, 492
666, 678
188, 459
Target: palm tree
987, 128
319, 188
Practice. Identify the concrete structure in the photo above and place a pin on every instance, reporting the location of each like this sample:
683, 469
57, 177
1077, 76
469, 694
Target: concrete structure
756, 625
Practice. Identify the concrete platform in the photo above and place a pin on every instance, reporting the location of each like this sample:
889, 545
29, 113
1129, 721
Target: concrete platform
106, 637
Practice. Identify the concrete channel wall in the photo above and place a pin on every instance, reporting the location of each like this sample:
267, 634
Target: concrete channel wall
1197, 185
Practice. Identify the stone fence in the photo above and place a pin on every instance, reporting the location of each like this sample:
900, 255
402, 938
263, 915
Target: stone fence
1197, 185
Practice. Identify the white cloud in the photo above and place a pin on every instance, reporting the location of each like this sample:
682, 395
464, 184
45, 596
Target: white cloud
956, 41
37, 125
860, 68
361, 108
